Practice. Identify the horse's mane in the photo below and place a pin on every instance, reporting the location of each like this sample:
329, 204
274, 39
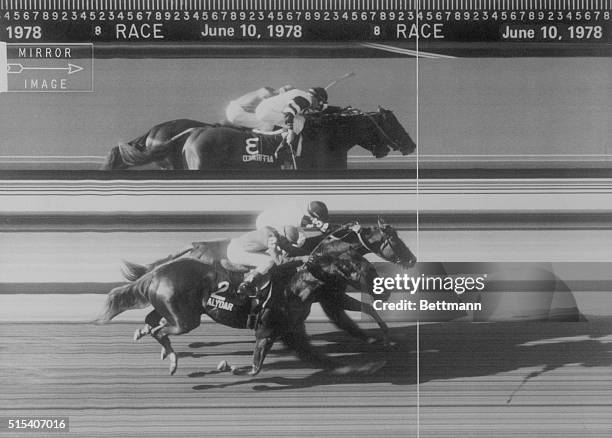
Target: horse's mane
343, 115
344, 120
131, 155
334, 238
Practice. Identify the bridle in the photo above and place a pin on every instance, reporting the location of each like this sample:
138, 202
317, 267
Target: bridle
388, 240
358, 230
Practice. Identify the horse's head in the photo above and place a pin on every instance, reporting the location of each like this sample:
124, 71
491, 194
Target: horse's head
390, 246
381, 240
391, 134
114, 160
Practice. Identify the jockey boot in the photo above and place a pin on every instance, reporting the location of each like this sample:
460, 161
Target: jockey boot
253, 313
250, 288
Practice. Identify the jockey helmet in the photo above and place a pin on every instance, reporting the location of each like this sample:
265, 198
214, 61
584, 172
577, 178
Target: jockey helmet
291, 233
320, 93
318, 209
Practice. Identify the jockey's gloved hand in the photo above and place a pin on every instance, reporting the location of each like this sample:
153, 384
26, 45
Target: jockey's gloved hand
272, 242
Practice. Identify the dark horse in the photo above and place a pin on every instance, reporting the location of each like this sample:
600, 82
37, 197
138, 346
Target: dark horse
382, 240
326, 140
181, 291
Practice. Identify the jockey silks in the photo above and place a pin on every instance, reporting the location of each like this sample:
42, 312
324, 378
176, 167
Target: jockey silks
241, 111
273, 110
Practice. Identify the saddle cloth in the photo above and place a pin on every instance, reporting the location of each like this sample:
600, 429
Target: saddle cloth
228, 308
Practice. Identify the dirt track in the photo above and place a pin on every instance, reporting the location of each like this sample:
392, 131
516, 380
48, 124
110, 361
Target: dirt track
470, 377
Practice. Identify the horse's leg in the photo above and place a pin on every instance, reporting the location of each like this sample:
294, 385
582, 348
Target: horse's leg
353, 305
264, 339
161, 336
298, 341
336, 314
167, 349
260, 351
151, 320
179, 320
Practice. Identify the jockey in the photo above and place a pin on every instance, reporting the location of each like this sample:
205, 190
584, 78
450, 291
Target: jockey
282, 109
312, 216
241, 111
263, 248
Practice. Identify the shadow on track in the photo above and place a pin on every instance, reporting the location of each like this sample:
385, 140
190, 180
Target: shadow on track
215, 344
450, 351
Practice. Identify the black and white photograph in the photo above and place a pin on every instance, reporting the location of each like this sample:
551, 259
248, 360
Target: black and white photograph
174, 114
272, 218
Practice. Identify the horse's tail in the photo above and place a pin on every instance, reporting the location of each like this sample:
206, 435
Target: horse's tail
137, 153
113, 160
130, 296
160, 150
133, 271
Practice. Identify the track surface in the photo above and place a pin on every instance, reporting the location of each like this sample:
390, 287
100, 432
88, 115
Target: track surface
470, 382
505, 379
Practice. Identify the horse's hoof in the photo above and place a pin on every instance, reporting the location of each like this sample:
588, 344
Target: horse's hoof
138, 334
372, 341
173, 363
223, 366
254, 371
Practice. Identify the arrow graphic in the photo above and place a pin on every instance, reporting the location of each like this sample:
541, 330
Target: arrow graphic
17, 68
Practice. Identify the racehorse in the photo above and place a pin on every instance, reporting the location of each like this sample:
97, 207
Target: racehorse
381, 240
162, 145
326, 140
182, 289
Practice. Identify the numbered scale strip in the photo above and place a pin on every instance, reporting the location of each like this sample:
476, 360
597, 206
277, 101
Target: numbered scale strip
307, 5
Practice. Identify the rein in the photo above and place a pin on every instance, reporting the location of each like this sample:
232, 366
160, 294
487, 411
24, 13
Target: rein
332, 237
386, 241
